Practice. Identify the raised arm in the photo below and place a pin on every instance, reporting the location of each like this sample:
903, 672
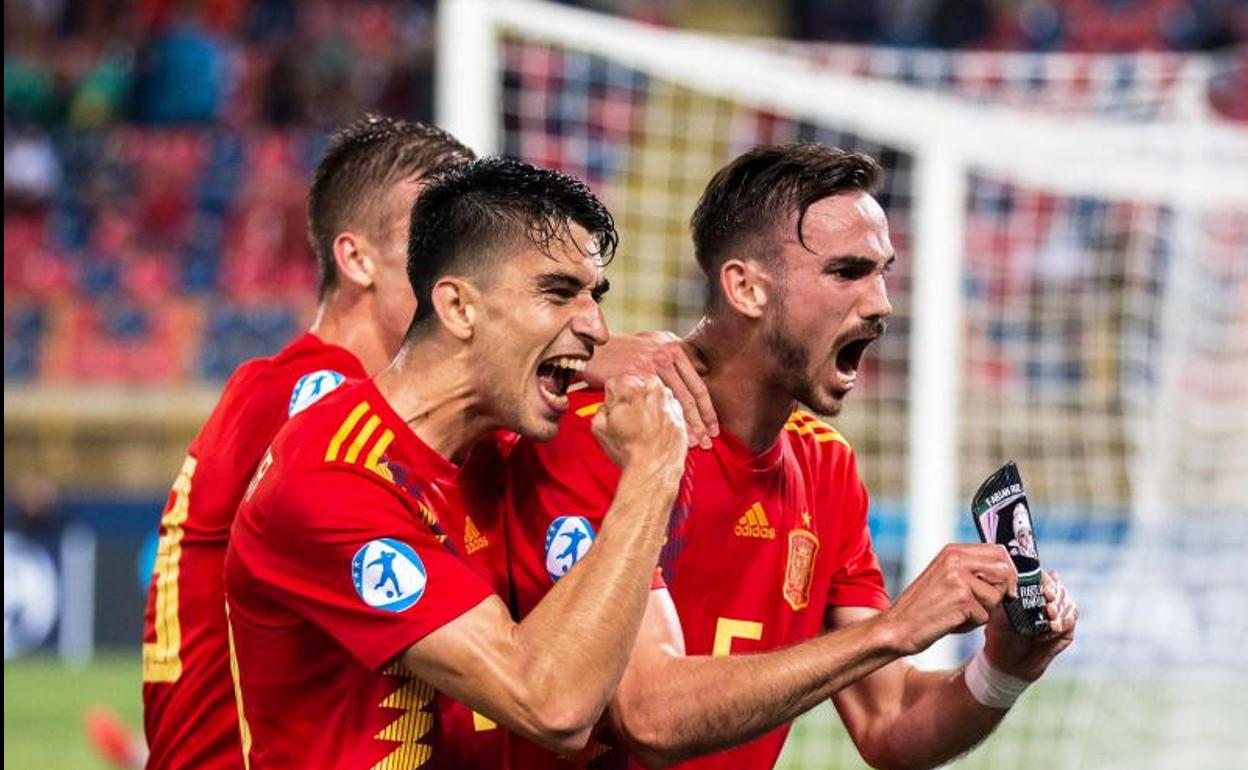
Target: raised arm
551, 676
671, 707
900, 717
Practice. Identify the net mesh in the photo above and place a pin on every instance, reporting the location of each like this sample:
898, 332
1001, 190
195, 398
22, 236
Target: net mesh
1104, 347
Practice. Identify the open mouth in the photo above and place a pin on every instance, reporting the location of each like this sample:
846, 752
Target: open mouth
554, 375
849, 357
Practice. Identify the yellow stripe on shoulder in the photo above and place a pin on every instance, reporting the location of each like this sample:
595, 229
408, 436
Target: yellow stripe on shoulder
589, 410
357, 446
345, 430
804, 423
373, 461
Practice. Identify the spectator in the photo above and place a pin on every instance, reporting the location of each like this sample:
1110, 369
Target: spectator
181, 75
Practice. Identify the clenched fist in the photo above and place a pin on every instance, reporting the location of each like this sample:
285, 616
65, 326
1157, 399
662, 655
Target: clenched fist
958, 591
640, 426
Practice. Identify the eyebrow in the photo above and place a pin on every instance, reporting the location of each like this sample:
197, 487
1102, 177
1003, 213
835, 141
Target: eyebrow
561, 280
855, 260
558, 280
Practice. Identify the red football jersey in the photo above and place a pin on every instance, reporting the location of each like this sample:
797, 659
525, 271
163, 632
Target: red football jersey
476, 525
188, 701
338, 562
768, 543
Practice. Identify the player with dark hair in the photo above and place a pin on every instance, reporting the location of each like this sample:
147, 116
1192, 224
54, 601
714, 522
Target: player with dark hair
773, 557
358, 211
336, 667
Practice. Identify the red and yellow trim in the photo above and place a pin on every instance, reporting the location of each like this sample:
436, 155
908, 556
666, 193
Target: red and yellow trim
803, 423
361, 438
414, 698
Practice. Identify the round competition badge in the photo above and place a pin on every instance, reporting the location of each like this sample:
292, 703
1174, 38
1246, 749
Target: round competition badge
312, 387
567, 541
388, 575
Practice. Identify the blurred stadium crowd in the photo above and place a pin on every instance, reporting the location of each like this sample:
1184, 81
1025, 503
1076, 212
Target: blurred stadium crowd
156, 153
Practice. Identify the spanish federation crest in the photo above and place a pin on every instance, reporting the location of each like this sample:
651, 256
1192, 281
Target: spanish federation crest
567, 541
800, 569
388, 575
312, 387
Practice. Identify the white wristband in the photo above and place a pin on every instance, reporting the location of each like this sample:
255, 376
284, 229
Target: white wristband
991, 687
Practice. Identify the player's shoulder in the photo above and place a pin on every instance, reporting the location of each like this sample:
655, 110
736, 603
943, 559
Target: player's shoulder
811, 436
574, 445
294, 378
309, 369
350, 425
583, 404
343, 444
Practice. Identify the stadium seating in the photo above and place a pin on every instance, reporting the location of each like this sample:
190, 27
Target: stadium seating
156, 197
158, 237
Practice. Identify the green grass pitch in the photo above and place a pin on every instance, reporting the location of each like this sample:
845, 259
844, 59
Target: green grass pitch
1061, 724
44, 703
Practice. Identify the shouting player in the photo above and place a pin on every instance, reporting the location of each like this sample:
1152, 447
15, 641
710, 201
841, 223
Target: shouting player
358, 211
774, 557
358, 217
348, 601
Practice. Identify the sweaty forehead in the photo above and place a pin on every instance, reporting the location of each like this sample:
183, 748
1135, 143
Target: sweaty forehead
578, 250
850, 223
572, 252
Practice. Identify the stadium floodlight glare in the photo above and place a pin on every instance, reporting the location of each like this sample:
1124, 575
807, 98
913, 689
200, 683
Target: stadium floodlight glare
1072, 292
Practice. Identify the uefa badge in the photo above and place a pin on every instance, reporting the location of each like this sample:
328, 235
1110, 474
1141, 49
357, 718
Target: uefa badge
568, 539
312, 387
388, 575
799, 571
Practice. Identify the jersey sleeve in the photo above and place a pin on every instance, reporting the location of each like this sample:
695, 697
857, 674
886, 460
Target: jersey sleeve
857, 580
347, 554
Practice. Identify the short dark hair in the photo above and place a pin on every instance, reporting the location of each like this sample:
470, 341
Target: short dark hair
752, 197
362, 161
470, 211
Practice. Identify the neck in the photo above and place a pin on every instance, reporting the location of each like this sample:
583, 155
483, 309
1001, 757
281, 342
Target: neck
429, 384
749, 406
349, 322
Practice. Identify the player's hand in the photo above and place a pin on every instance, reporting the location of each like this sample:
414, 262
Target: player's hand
958, 591
1027, 657
676, 363
640, 426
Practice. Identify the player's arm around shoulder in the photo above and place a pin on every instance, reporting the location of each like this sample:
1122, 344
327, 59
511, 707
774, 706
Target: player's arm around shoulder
551, 676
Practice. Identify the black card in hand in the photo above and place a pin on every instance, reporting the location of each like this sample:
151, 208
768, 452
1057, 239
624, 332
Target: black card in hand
1002, 516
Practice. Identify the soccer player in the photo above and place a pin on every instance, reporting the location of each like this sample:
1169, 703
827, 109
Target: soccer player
775, 600
358, 210
348, 600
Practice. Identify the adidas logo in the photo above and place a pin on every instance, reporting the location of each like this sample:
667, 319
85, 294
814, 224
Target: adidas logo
473, 539
754, 524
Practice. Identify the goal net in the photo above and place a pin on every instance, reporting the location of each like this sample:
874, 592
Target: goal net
1071, 292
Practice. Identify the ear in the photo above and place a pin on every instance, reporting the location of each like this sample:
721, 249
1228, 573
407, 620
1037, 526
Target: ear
744, 285
354, 260
456, 303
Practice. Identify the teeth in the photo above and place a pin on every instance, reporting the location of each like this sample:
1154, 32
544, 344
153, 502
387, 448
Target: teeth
574, 364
